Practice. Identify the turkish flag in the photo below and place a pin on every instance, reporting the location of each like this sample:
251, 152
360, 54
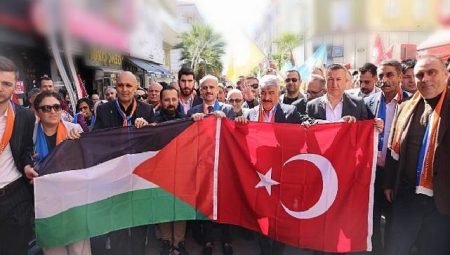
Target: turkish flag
307, 187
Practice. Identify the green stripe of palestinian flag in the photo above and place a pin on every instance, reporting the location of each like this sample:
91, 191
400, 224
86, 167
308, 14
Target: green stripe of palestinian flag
133, 184
96, 202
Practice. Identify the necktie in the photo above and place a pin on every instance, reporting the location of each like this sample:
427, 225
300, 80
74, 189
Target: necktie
210, 109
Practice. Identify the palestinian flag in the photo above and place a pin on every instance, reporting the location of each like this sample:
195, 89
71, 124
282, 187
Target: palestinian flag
123, 177
308, 187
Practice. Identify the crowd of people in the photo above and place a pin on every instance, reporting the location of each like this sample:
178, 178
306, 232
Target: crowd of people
409, 102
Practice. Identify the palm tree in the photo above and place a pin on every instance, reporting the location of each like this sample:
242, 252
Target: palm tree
202, 49
286, 43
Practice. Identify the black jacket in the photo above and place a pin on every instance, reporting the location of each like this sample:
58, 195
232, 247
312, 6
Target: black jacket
21, 142
108, 117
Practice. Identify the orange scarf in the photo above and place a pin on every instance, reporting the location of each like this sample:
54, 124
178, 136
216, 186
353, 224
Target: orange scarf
61, 133
10, 115
425, 182
262, 113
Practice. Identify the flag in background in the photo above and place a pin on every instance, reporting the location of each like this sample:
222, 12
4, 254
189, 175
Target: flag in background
318, 59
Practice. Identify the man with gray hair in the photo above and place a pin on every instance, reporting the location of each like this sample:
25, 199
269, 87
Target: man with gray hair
209, 90
110, 94
270, 109
236, 99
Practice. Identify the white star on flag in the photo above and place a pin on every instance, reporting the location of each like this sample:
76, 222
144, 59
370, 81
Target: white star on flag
266, 181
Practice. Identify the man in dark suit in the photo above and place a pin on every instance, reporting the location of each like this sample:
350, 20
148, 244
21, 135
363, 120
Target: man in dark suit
416, 176
336, 104
271, 110
383, 105
122, 112
209, 89
16, 149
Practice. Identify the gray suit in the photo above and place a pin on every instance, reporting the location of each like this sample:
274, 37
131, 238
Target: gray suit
351, 106
226, 108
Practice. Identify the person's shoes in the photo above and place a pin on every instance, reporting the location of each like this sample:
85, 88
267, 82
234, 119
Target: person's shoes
180, 250
166, 248
208, 249
227, 249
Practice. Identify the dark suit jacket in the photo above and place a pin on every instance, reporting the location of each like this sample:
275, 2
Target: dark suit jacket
300, 104
284, 113
351, 106
108, 117
373, 101
226, 108
441, 172
21, 142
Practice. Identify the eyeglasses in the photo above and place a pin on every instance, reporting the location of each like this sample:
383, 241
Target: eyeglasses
313, 92
291, 79
254, 85
48, 108
237, 101
138, 97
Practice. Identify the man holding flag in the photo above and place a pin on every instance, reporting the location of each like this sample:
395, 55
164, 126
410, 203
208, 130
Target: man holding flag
16, 148
123, 112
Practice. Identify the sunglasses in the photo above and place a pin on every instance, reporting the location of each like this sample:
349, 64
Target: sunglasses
313, 92
48, 108
254, 85
291, 79
234, 101
138, 97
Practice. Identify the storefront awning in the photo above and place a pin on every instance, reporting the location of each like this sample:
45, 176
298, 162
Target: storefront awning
150, 67
437, 44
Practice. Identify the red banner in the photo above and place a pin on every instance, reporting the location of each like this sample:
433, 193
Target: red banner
308, 187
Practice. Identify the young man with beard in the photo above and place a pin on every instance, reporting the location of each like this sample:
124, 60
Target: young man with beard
16, 149
186, 82
168, 111
383, 105
367, 81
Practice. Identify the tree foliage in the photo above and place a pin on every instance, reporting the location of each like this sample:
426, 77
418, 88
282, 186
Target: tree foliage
285, 44
202, 49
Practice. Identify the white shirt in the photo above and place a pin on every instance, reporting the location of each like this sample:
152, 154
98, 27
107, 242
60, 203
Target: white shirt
187, 105
390, 111
333, 114
8, 169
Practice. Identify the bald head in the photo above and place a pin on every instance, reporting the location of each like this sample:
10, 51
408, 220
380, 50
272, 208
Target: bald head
127, 85
431, 76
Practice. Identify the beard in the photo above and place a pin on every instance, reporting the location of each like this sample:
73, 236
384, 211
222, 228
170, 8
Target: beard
170, 110
186, 91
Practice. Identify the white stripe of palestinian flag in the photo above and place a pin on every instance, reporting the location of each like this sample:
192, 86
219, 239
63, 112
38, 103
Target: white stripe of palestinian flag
78, 204
56, 193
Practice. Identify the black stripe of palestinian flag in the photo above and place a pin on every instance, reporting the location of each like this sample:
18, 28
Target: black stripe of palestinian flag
125, 177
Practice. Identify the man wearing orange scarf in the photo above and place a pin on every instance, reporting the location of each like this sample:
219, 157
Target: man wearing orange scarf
417, 179
16, 148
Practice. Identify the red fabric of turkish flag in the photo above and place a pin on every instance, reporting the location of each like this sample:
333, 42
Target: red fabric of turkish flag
307, 187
